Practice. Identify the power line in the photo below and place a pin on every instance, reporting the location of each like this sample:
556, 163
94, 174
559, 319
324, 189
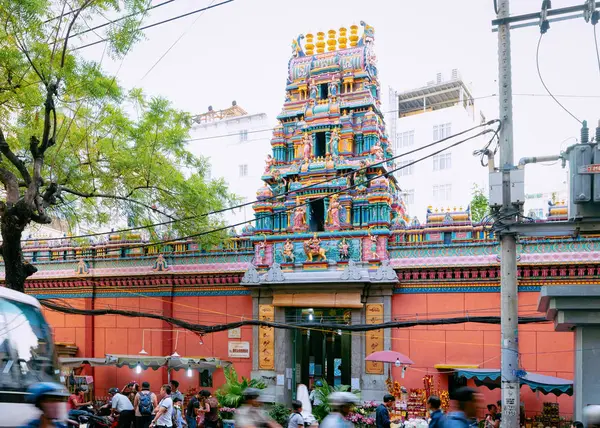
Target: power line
278, 196
597, 51
537, 63
385, 174
159, 23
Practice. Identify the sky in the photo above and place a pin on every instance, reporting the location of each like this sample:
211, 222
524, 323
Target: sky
240, 51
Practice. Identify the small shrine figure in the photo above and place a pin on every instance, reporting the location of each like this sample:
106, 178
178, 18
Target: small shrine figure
373, 239
377, 151
313, 92
307, 149
280, 183
288, 252
82, 268
160, 264
344, 249
288, 97
262, 249
269, 163
360, 177
299, 217
333, 89
312, 248
333, 213
334, 143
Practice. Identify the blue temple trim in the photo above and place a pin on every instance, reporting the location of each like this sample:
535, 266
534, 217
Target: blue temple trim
138, 294
489, 289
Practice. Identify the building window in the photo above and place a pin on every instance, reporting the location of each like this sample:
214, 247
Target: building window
243, 170
405, 139
441, 131
442, 192
406, 168
409, 196
442, 161
244, 135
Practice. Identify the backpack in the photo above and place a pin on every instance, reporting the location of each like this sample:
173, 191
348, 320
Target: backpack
145, 404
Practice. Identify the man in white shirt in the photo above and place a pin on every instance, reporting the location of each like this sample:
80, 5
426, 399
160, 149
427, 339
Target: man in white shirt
164, 414
121, 405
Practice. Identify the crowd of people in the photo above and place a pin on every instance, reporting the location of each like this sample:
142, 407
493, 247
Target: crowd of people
141, 408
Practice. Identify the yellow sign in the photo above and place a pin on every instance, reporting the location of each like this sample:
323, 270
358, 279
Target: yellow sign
374, 341
266, 338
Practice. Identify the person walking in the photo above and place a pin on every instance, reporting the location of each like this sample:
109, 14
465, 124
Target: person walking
250, 414
436, 415
382, 413
144, 404
178, 413
191, 411
164, 414
210, 409
341, 405
467, 399
120, 404
175, 393
296, 420
51, 399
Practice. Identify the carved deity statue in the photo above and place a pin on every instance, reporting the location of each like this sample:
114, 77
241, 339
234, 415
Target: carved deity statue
262, 248
279, 183
344, 249
377, 151
312, 248
269, 163
333, 213
360, 177
307, 148
288, 252
334, 143
333, 87
313, 92
299, 217
374, 255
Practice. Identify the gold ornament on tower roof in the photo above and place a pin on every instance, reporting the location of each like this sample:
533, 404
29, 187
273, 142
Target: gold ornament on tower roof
353, 35
309, 46
342, 39
320, 42
331, 42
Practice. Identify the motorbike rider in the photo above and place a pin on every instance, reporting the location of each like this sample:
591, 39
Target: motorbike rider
341, 405
51, 399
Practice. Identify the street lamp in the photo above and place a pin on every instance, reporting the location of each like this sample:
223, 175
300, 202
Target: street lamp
138, 368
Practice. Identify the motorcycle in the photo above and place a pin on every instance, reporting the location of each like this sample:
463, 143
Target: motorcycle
87, 419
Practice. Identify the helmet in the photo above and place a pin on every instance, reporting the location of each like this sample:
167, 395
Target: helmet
342, 398
45, 389
319, 383
251, 393
591, 415
113, 391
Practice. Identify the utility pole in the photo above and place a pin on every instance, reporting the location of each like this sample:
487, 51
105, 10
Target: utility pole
508, 241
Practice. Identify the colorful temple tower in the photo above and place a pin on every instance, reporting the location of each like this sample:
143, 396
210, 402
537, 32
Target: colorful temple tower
325, 215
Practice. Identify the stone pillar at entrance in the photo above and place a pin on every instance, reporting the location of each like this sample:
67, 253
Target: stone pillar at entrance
577, 308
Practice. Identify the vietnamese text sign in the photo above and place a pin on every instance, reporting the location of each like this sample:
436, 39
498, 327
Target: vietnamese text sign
239, 349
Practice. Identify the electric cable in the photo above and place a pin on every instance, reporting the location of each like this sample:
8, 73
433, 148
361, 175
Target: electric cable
537, 63
159, 23
597, 51
368, 180
319, 183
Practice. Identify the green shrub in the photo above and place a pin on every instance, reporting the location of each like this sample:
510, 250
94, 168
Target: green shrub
231, 393
280, 414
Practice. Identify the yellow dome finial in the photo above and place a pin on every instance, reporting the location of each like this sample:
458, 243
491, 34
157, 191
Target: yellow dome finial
353, 35
309, 46
331, 42
320, 42
342, 39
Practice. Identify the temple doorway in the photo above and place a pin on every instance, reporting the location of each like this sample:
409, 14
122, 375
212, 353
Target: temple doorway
321, 354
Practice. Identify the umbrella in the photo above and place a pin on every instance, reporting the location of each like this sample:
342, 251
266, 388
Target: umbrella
390, 357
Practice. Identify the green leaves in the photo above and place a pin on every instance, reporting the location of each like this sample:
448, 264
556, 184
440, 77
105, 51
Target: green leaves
479, 205
231, 394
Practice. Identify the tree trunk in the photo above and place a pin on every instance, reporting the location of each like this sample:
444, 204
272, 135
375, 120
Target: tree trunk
16, 269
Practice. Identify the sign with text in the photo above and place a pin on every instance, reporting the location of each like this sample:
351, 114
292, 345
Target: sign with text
590, 169
374, 340
234, 333
239, 350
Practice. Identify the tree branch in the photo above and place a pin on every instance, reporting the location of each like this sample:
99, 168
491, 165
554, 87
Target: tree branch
12, 186
121, 198
64, 51
18, 163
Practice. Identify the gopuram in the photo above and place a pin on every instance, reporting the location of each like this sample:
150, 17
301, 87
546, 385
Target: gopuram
331, 243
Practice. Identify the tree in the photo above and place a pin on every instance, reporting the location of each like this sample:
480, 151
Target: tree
75, 144
479, 204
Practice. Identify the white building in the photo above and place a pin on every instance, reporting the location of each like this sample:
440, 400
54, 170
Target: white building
236, 144
428, 114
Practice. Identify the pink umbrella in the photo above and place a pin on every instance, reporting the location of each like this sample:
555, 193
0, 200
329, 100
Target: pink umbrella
390, 357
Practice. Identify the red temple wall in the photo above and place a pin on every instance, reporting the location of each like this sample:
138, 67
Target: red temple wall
113, 334
543, 350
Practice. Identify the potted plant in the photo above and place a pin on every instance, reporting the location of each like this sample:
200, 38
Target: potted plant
230, 395
322, 396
